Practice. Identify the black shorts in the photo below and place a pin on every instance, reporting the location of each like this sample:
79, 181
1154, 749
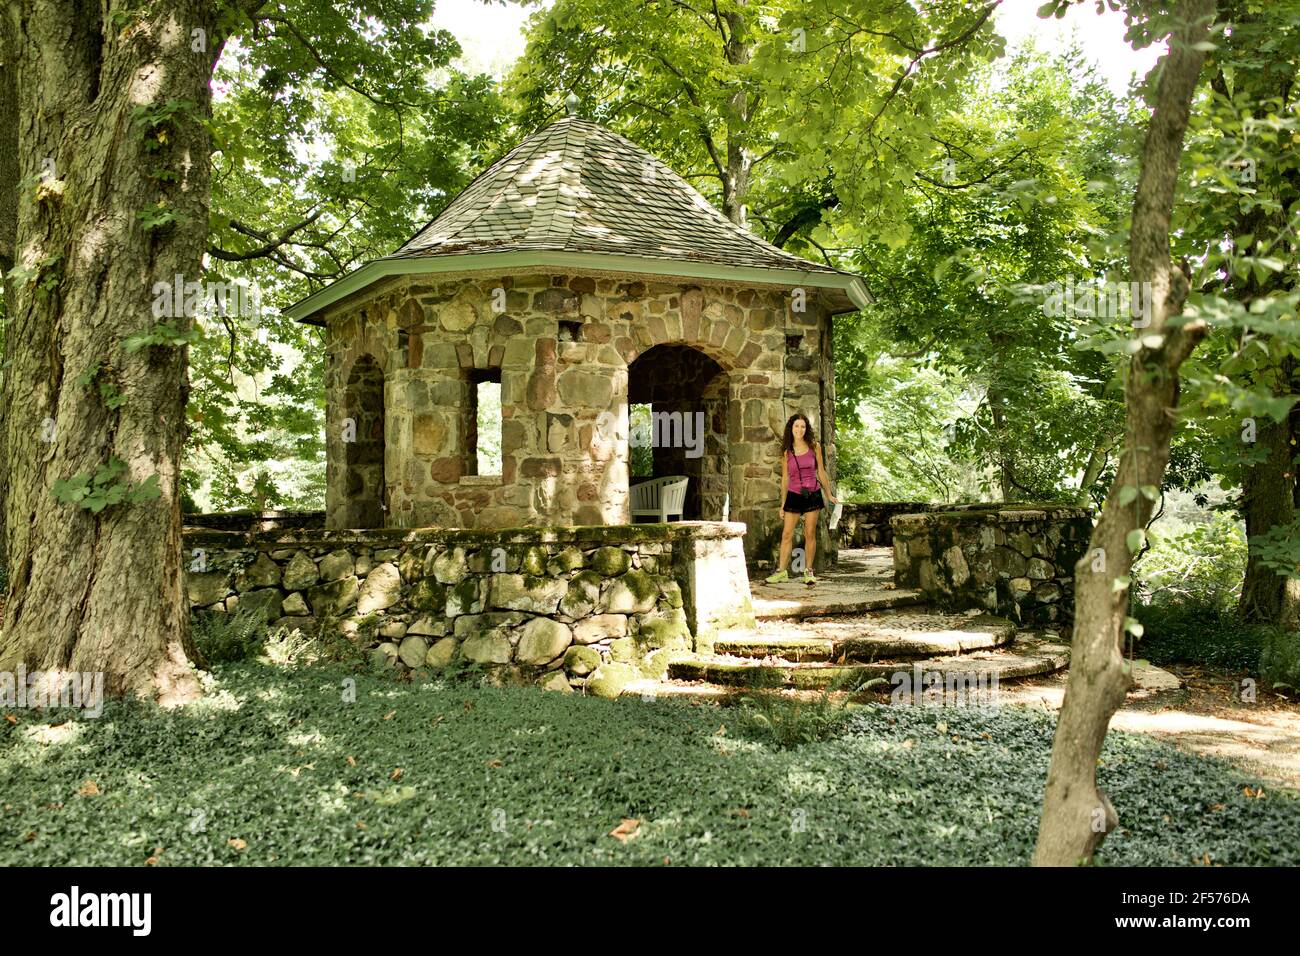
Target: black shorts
802, 504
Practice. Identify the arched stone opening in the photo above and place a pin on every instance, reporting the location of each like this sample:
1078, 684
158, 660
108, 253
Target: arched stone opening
677, 413
363, 443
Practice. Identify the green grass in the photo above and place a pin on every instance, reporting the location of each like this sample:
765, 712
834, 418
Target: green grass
520, 776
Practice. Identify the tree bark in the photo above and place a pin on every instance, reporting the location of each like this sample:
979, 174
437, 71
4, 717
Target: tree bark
8, 222
1268, 500
1096, 462
1076, 813
103, 592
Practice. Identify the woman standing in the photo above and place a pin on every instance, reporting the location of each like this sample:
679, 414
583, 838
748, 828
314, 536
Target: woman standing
803, 475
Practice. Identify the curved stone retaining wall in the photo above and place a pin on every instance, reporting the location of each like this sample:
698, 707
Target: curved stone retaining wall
865, 524
583, 606
1016, 560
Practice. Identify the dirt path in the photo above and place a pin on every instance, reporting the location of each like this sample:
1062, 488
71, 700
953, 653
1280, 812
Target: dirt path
1205, 715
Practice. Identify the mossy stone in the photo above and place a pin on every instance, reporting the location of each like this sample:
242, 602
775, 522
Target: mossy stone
335, 597
441, 653
488, 647
623, 649
655, 664
534, 561
634, 593
542, 640
580, 660
556, 680
609, 680
582, 596
610, 562
668, 631
570, 559
465, 598
428, 595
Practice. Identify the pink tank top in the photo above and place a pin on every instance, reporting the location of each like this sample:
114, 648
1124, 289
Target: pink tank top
803, 471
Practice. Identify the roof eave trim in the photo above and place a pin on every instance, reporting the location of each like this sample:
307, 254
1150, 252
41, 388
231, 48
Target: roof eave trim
377, 269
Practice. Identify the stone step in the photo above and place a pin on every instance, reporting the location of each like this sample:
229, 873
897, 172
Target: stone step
797, 602
889, 634
1024, 657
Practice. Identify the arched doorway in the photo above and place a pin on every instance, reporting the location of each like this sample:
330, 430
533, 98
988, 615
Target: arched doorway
363, 443
677, 415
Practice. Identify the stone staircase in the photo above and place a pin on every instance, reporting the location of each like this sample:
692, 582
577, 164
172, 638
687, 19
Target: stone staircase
854, 626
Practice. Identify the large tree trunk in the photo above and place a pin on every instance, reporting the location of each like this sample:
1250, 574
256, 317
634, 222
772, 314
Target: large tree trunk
103, 592
1268, 500
1076, 813
8, 217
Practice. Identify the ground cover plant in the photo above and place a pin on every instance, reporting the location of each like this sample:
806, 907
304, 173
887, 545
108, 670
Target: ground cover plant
273, 766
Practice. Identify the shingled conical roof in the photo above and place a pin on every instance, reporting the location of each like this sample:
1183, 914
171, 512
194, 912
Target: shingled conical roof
575, 186
575, 195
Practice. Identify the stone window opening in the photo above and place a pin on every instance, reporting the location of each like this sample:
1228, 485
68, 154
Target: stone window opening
482, 423
569, 331
792, 343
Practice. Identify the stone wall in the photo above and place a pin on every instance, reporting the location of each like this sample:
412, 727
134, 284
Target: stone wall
564, 347
866, 524
1014, 560
255, 520
566, 606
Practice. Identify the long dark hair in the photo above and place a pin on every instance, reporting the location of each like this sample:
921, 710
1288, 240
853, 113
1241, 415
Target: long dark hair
787, 441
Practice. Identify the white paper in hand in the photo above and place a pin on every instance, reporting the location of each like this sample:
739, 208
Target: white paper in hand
835, 515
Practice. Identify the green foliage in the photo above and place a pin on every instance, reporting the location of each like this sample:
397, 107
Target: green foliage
45, 275
1019, 190
396, 130
1202, 562
641, 463
107, 486
108, 391
1187, 586
158, 216
1278, 548
162, 334
224, 638
792, 719
322, 644
275, 757
1279, 661
1199, 631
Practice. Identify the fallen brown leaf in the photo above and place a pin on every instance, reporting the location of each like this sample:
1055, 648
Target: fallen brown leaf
11, 718
625, 830
237, 843
89, 789
352, 761
494, 763
395, 774
389, 715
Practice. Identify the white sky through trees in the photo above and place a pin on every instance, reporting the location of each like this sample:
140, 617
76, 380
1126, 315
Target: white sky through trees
492, 36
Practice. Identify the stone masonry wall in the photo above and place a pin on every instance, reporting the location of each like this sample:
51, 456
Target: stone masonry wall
562, 345
866, 524
1013, 560
581, 607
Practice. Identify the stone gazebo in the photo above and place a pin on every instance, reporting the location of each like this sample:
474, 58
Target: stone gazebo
584, 276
